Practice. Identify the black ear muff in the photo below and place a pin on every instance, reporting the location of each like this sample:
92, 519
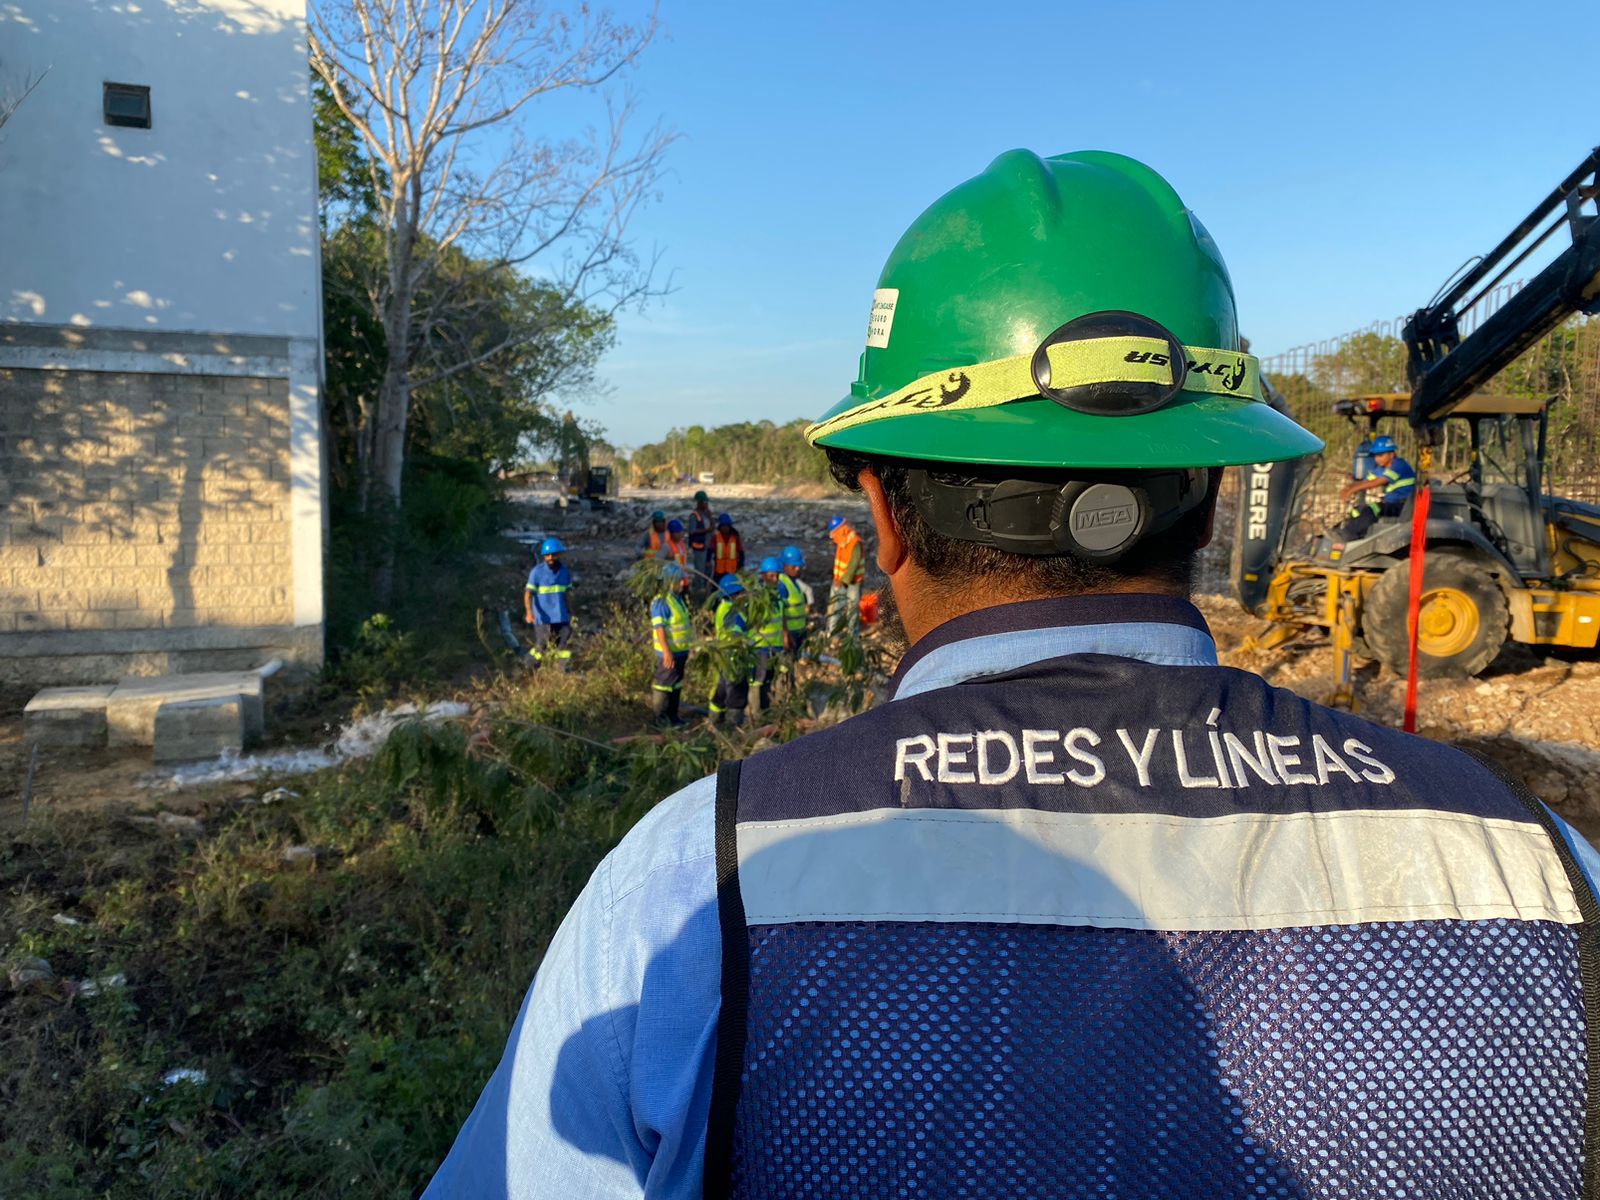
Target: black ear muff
1099, 522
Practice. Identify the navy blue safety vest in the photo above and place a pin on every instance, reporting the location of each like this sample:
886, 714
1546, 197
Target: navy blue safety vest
1097, 927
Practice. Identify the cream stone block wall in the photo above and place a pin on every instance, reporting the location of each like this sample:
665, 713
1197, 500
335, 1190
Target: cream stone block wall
145, 524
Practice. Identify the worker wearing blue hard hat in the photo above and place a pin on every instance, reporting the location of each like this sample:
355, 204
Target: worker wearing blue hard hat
734, 663
767, 638
726, 553
1382, 493
671, 632
796, 601
546, 608
674, 546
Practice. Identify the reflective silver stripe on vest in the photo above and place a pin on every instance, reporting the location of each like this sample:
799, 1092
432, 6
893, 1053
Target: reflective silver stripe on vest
1151, 871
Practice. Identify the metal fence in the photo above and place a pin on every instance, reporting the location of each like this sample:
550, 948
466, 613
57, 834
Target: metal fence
1565, 366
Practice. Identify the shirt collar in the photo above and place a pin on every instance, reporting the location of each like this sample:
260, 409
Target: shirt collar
1158, 629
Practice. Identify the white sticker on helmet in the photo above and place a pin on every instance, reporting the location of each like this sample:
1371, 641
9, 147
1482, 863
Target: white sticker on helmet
882, 319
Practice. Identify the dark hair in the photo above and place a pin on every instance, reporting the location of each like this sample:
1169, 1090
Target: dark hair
1165, 559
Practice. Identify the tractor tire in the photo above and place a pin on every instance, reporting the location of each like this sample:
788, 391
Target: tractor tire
1463, 622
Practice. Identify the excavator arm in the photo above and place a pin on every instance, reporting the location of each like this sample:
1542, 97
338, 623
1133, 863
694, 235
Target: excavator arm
1444, 367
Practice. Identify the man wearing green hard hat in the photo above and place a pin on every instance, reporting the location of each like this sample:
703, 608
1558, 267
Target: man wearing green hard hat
1076, 912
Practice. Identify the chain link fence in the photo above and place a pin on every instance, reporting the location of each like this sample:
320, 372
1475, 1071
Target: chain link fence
1564, 367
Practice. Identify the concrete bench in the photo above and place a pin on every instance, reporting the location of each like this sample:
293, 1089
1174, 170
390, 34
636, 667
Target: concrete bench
199, 728
68, 716
132, 708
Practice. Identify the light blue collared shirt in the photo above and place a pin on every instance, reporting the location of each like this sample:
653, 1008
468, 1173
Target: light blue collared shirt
605, 1087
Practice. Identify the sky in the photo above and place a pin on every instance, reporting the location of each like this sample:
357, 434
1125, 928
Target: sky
1346, 158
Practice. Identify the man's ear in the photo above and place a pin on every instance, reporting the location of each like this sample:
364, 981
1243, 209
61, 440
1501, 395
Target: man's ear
892, 550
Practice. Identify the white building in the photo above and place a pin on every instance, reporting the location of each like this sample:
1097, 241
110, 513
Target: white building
161, 487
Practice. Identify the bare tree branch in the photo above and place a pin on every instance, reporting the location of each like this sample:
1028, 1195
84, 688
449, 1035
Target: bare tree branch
12, 95
444, 94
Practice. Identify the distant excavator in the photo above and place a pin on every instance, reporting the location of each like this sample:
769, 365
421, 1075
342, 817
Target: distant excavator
1503, 557
659, 475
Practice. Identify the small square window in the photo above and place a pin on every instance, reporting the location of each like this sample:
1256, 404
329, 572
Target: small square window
128, 105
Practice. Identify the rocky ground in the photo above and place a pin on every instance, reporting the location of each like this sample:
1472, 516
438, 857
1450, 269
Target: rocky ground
1540, 714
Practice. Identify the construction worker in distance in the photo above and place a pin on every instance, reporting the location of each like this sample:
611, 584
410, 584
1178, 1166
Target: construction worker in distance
768, 640
650, 544
849, 569
732, 692
1382, 494
674, 546
1075, 911
546, 607
796, 604
700, 524
727, 548
671, 632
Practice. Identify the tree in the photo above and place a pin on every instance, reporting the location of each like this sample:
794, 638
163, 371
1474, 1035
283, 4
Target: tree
1366, 363
441, 93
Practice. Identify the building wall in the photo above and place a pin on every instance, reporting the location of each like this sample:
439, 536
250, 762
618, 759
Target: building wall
161, 498
146, 522
207, 220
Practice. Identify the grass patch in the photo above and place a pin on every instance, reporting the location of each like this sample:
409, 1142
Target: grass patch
345, 1007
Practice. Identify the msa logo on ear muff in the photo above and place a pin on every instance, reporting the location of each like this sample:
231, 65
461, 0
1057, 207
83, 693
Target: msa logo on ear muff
1100, 520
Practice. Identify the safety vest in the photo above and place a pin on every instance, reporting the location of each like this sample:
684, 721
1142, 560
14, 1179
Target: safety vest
794, 603
849, 563
549, 590
769, 634
670, 623
1399, 481
652, 540
727, 550
674, 549
699, 527
729, 622
1097, 926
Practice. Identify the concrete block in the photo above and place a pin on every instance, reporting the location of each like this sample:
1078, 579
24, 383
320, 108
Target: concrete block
133, 707
68, 716
189, 729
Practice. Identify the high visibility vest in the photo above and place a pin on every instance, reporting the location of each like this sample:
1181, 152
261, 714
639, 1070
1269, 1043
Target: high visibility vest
769, 634
699, 528
794, 603
652, 541
549, 590
1104, 926
674, 549
849, 563
727, 550
728, 623
670, 624
1399, 481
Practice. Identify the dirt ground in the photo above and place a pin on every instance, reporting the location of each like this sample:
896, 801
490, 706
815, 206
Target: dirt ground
1538, 714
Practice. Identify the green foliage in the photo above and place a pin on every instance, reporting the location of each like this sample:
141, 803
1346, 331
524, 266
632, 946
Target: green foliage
347, 1013
451, 509
1365, 363
749, 452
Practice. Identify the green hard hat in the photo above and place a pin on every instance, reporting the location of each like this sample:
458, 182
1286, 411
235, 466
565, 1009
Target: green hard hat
1059, 312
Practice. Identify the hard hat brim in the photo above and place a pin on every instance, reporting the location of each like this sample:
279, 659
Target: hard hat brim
1198, 431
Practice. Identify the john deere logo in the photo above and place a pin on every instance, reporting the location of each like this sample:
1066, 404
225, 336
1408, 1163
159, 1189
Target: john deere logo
1102, 518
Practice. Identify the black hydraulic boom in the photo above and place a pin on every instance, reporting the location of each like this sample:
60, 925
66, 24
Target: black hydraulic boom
1444, 368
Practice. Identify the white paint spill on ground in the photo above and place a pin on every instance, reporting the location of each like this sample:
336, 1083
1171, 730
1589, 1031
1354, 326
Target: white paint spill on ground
359, 739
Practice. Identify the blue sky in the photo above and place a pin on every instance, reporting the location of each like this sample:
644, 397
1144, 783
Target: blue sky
1346, 159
